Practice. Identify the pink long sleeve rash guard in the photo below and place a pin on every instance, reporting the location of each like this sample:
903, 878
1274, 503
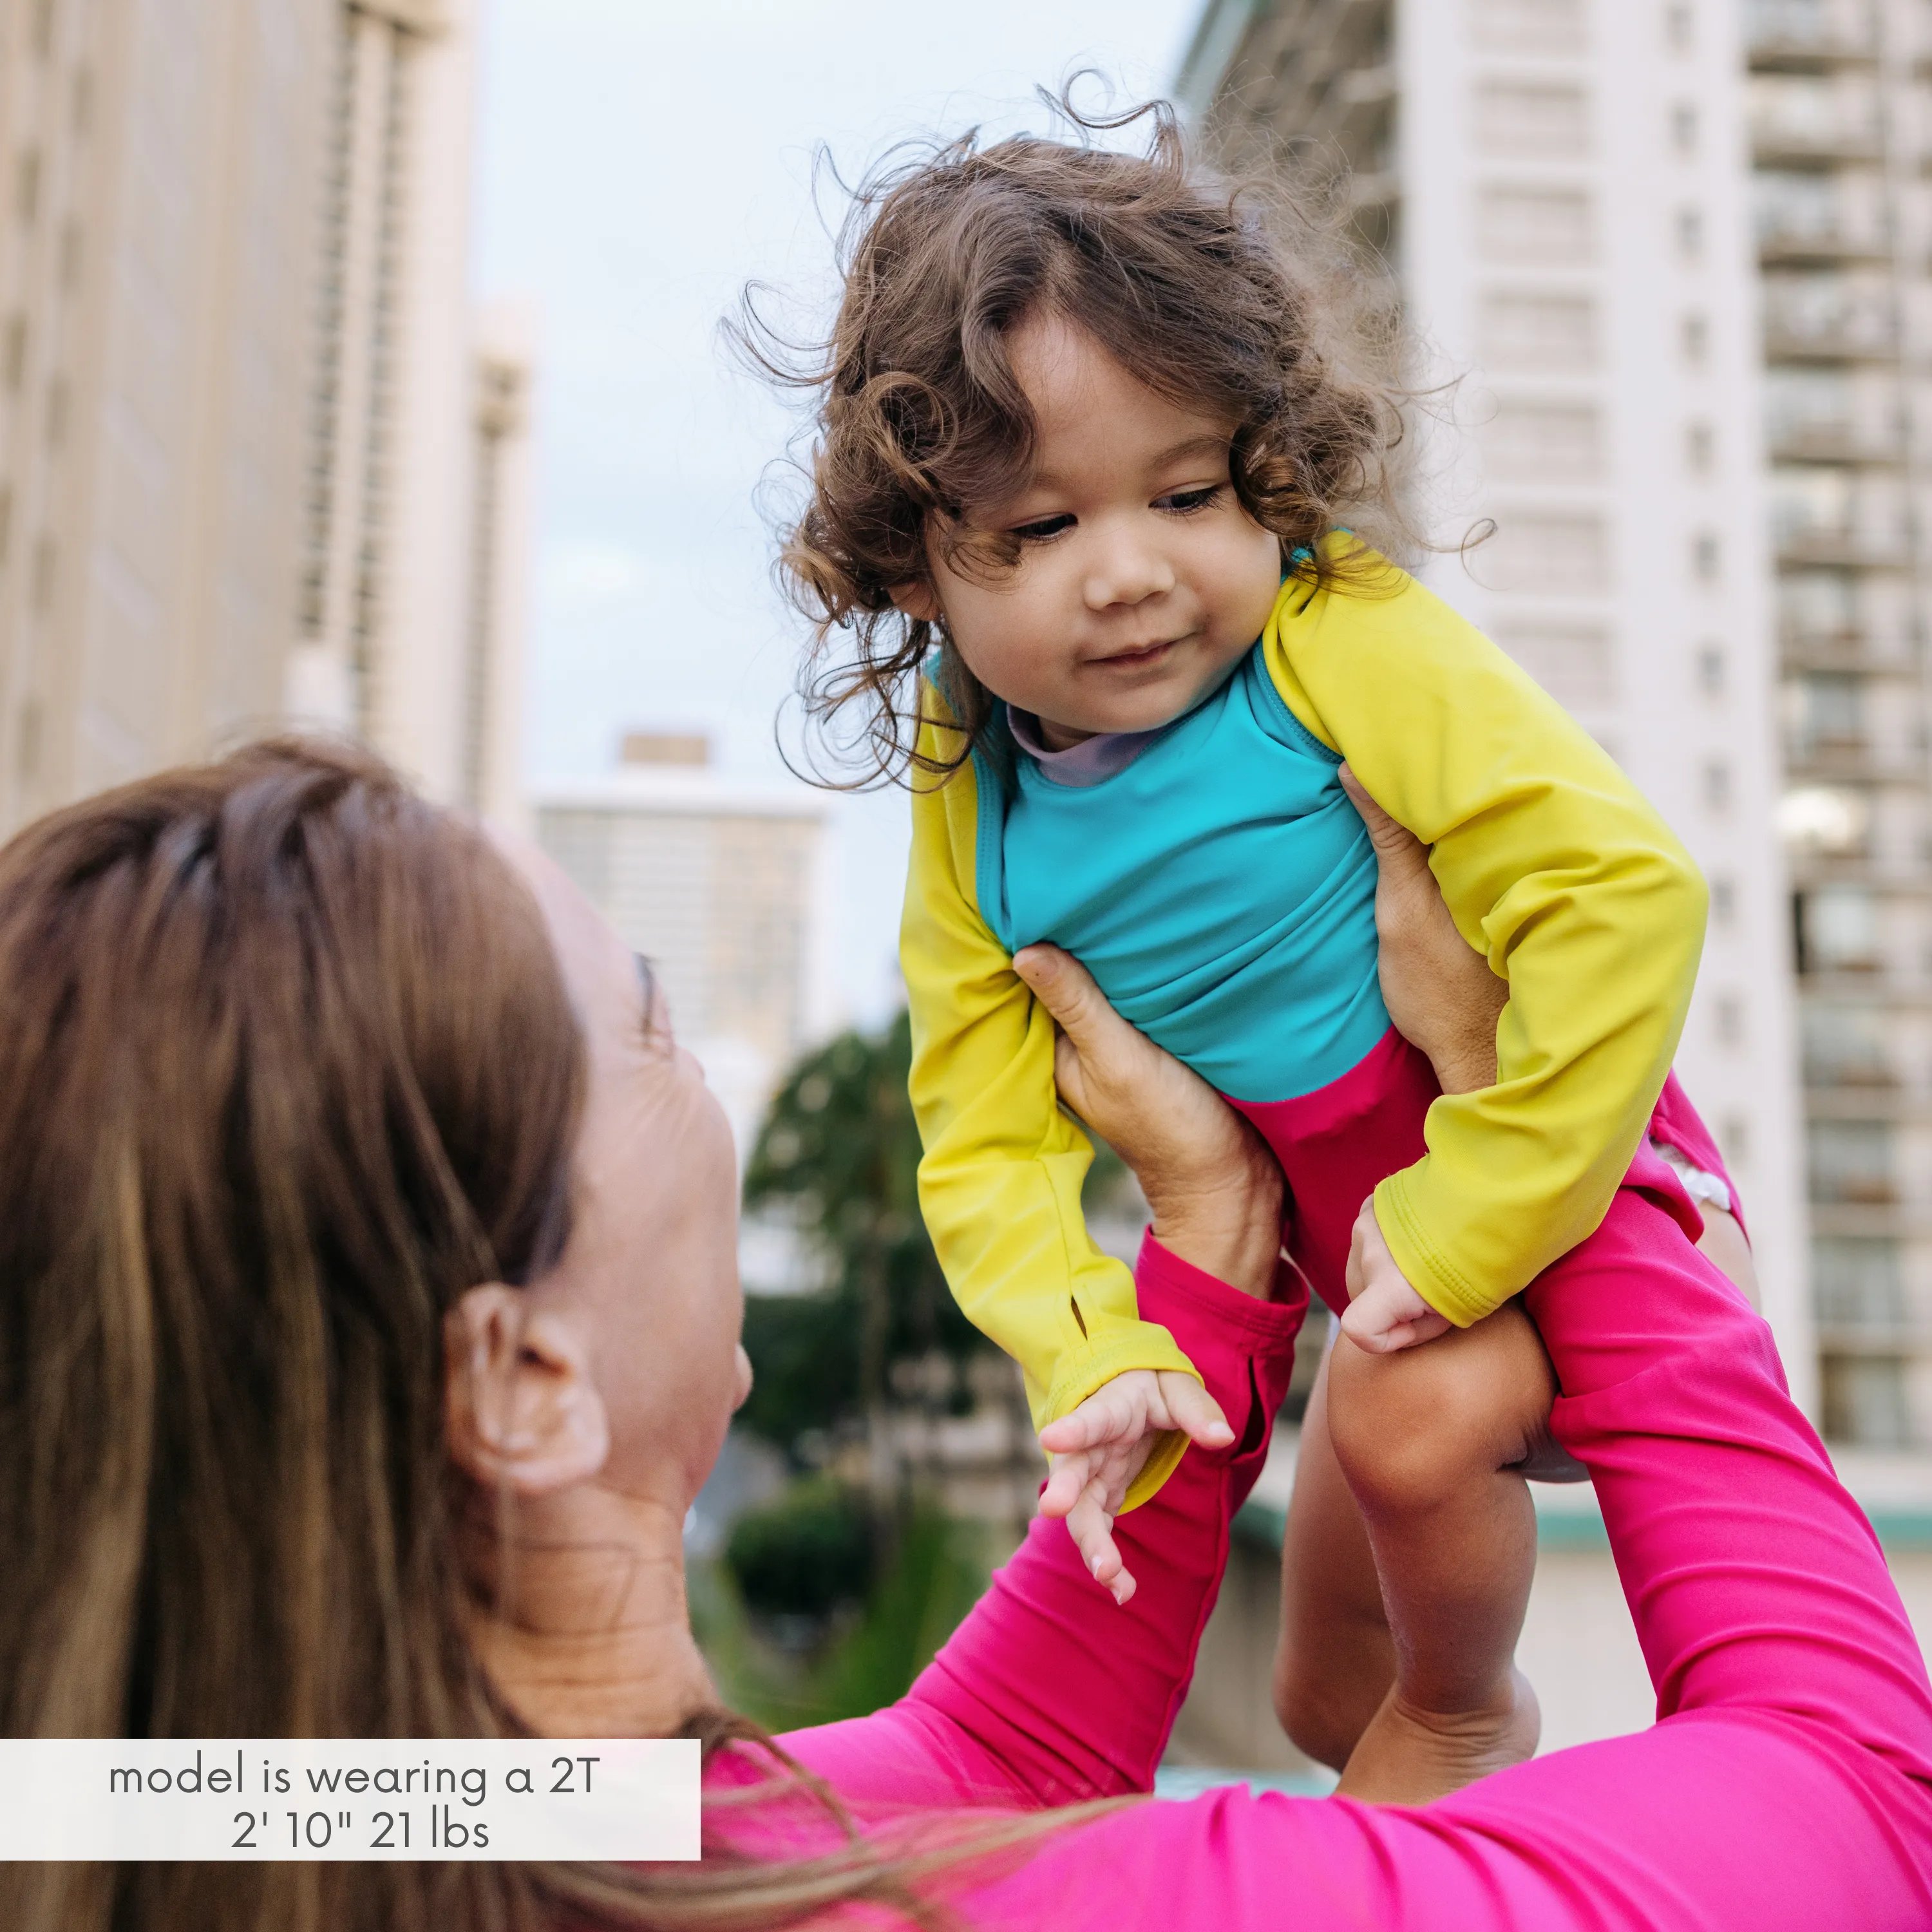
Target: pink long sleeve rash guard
1785, 1785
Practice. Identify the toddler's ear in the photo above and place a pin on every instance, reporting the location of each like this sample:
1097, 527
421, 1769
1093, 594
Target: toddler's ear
918, 600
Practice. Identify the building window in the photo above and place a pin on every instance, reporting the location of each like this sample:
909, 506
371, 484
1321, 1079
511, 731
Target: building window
1710, 669
1838, 931
1700, 445
1851, 1161
13, 355
1728, 1019
1680, 25
1532, 120
1550, 227
1683, 127
1696, 335
27, 188
1690, 233
1571, 661
1549, 335
1845, 1046
1551, 554
1704, 556
1724, 901
1545, 442
1717, 785
1529, 26
1865, 1401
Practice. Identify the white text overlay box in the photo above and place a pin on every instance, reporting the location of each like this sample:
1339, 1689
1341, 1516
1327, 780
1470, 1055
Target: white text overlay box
348, 1798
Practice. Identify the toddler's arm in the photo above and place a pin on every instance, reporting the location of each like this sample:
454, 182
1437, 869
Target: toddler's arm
1000, 1179
1557, 870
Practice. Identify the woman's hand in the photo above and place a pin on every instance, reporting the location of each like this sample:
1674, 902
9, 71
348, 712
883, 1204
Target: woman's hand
1212, 1186
1439, 990
1215, 1194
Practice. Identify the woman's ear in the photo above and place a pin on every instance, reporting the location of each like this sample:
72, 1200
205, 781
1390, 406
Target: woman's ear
520, 1408
918, 600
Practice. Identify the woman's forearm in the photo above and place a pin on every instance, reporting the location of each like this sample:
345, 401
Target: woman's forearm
1048, 1693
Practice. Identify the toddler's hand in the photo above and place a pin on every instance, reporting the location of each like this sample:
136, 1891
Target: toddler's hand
1383, 1312
1098, 1449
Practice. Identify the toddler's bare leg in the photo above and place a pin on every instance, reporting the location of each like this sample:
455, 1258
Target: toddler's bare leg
1336, 1659
1425, 1438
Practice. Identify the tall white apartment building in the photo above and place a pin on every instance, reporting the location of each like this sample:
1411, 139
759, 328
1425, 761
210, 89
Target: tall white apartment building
1840, 141
1559, 188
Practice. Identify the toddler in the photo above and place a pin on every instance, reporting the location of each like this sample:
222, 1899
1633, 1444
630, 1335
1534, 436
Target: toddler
1085, 466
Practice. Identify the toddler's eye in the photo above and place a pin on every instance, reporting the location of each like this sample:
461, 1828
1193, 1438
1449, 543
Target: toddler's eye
1185, 500
1047, 527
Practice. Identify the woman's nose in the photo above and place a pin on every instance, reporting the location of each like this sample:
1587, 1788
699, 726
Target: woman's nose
1124, 568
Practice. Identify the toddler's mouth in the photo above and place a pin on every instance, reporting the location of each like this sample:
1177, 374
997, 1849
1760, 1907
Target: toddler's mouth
1139, 655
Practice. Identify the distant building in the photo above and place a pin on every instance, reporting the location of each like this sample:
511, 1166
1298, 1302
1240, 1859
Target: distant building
1556, 187
245, 403
409, 628
159, 180
718, 885
1678, 251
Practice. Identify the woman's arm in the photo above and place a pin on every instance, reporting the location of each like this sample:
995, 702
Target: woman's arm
1788, 1785
1048, 1693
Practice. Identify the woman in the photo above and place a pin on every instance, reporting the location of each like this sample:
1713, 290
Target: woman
368, 1320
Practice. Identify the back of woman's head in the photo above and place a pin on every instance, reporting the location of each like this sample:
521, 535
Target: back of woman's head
287, 1065
1237, 301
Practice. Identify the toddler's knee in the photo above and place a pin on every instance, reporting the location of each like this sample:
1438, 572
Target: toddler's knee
1413, 1428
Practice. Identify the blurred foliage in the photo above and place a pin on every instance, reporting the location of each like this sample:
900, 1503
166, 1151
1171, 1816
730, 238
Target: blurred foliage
804, 1555
934, 1569
838, 1156
838, 1153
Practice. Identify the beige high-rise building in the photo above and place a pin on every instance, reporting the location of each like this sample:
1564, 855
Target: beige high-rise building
259, 458
409, 628
719, 885
158, 216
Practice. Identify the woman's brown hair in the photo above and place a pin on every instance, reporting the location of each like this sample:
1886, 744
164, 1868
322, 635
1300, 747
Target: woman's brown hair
1231, 299
287, 1066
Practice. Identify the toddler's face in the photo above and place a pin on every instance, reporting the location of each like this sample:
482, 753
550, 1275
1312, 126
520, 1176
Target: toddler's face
1140, 578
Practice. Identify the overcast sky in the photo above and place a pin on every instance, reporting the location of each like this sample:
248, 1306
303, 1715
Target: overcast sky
639, 162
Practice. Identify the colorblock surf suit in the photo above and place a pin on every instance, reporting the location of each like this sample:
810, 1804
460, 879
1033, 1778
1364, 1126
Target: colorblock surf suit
1220, 887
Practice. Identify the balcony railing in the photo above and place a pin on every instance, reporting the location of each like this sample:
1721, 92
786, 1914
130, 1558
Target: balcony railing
1808, 32
1848, 133
1836, 546
1819, 439
1802, 231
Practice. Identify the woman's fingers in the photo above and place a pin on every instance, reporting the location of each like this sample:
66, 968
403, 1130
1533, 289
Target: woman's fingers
1391, 841
1066, 990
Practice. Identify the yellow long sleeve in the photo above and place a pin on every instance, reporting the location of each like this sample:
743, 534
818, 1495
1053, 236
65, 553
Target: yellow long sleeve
1553, 864
1000, 1182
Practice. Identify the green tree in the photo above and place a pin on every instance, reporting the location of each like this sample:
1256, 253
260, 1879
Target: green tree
838, 1156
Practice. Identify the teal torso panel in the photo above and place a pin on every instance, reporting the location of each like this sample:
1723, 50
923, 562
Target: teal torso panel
1220, 888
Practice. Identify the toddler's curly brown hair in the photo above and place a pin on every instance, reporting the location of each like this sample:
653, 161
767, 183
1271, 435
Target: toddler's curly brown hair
1229, 297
